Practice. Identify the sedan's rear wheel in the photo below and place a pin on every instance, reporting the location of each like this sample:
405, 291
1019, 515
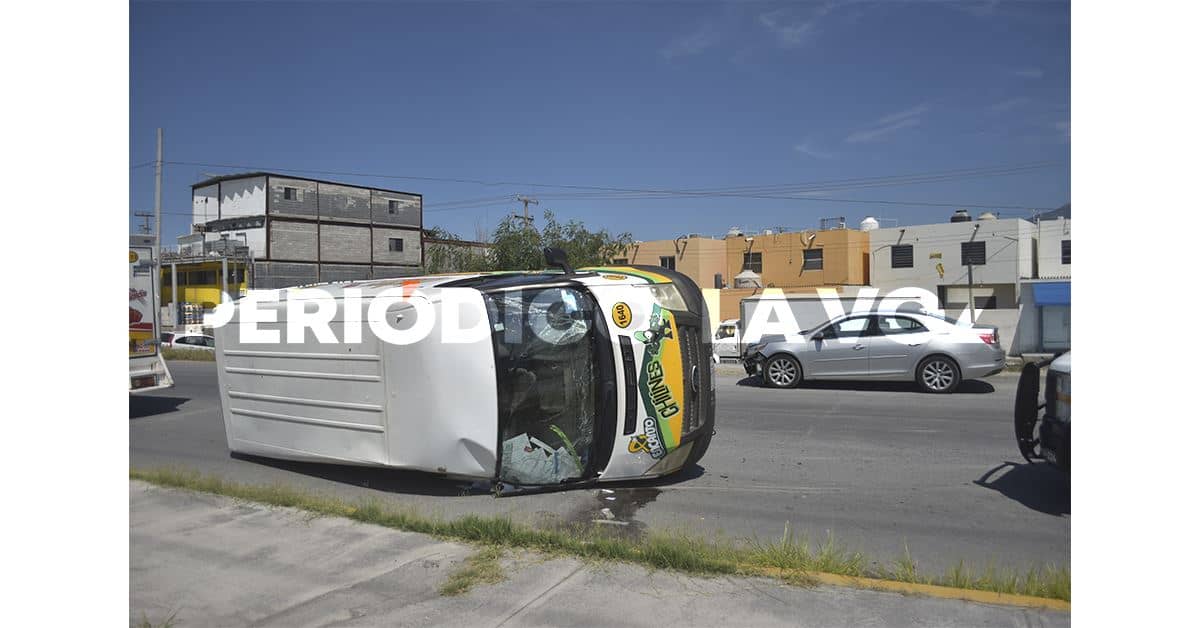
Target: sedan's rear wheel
938, 374
781, 371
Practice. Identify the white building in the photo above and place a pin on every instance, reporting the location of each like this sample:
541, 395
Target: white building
301, 230
941, 258
1017, 271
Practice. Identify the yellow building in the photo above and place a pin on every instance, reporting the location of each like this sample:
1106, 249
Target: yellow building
701, 259
795, 262
198, 284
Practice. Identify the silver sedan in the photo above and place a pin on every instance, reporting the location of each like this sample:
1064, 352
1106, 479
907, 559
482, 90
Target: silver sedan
935, 353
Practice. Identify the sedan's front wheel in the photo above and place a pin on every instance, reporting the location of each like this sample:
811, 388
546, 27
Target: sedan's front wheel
938, 374
781, 371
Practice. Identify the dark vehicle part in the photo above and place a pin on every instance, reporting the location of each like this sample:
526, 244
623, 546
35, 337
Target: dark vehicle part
1026, 410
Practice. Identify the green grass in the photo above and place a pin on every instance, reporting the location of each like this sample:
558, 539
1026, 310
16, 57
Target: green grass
482, 567
195, 355
789, 558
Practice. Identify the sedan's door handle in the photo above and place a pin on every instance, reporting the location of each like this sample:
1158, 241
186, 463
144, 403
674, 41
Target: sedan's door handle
857, 347
915, 344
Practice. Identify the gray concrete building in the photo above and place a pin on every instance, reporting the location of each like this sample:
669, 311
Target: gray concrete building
301, 230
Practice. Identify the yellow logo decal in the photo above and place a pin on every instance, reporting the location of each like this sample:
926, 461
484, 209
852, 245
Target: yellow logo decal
622, 315
614, 277
133, 257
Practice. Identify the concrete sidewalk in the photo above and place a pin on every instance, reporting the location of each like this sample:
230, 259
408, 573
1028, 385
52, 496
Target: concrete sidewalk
215, 562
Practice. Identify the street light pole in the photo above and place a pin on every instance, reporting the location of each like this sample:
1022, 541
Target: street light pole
971, 277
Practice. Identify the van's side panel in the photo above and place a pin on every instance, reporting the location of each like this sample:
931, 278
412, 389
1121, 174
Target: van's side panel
303, 401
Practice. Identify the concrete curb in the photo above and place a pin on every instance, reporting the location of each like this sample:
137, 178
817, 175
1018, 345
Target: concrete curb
932, 590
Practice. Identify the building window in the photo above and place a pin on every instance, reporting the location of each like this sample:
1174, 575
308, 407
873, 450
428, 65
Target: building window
974, 253
396, 244
902, 256
202, 277
814, 259
667, 261
1066, 251
291, 194
620, 261
752, 261
393, 207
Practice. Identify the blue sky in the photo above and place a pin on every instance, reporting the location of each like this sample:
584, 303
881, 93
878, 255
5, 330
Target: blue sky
637, 96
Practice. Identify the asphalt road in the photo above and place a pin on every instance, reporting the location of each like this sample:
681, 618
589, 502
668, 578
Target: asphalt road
879, 466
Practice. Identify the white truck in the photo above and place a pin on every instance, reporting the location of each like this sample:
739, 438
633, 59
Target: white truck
147, 369
566, 377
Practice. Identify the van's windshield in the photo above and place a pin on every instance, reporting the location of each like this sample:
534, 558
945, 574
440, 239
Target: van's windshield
548, 382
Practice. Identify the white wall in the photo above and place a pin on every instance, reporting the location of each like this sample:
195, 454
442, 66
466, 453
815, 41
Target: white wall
244, 197
1050, 234
1009, 244
204, 204
256, 239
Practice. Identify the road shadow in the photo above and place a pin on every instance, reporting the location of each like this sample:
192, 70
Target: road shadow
388, 480
141, 406
1036, 485
968, 387
422, 483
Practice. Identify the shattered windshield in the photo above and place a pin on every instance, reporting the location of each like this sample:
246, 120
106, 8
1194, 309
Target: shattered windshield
547, 382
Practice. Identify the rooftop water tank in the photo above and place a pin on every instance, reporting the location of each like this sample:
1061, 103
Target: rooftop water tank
868, 224
747, 279
734, 232
961, 216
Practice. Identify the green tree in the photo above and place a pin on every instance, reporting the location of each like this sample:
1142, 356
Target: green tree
518, 246
448, 258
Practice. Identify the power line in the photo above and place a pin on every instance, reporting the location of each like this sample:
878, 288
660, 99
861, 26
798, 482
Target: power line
681, 193
818, 186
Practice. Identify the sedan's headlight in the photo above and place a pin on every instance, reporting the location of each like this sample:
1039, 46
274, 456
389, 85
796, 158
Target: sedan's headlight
668, 296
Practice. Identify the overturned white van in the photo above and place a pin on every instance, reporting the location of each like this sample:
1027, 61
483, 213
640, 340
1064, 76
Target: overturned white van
529, 380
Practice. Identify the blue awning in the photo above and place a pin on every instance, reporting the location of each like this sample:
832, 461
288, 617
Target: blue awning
1052, 293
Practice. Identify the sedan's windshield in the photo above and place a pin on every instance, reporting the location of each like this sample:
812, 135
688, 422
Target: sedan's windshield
548, 382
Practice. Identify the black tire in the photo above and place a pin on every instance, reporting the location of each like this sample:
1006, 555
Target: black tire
781, 371
938, 374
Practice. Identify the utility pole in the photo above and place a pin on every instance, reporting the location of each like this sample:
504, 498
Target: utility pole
156, 297
971, 277
145, 216
158, 196
526, 200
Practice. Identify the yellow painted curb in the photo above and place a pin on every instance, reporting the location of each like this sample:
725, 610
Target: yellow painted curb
931, 590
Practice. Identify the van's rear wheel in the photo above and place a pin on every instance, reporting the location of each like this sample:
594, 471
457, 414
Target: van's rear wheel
781, 371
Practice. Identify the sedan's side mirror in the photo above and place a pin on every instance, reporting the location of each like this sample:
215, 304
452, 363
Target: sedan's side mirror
818, 336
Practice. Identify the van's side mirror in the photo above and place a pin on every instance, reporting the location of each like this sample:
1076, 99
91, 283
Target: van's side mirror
556, 257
